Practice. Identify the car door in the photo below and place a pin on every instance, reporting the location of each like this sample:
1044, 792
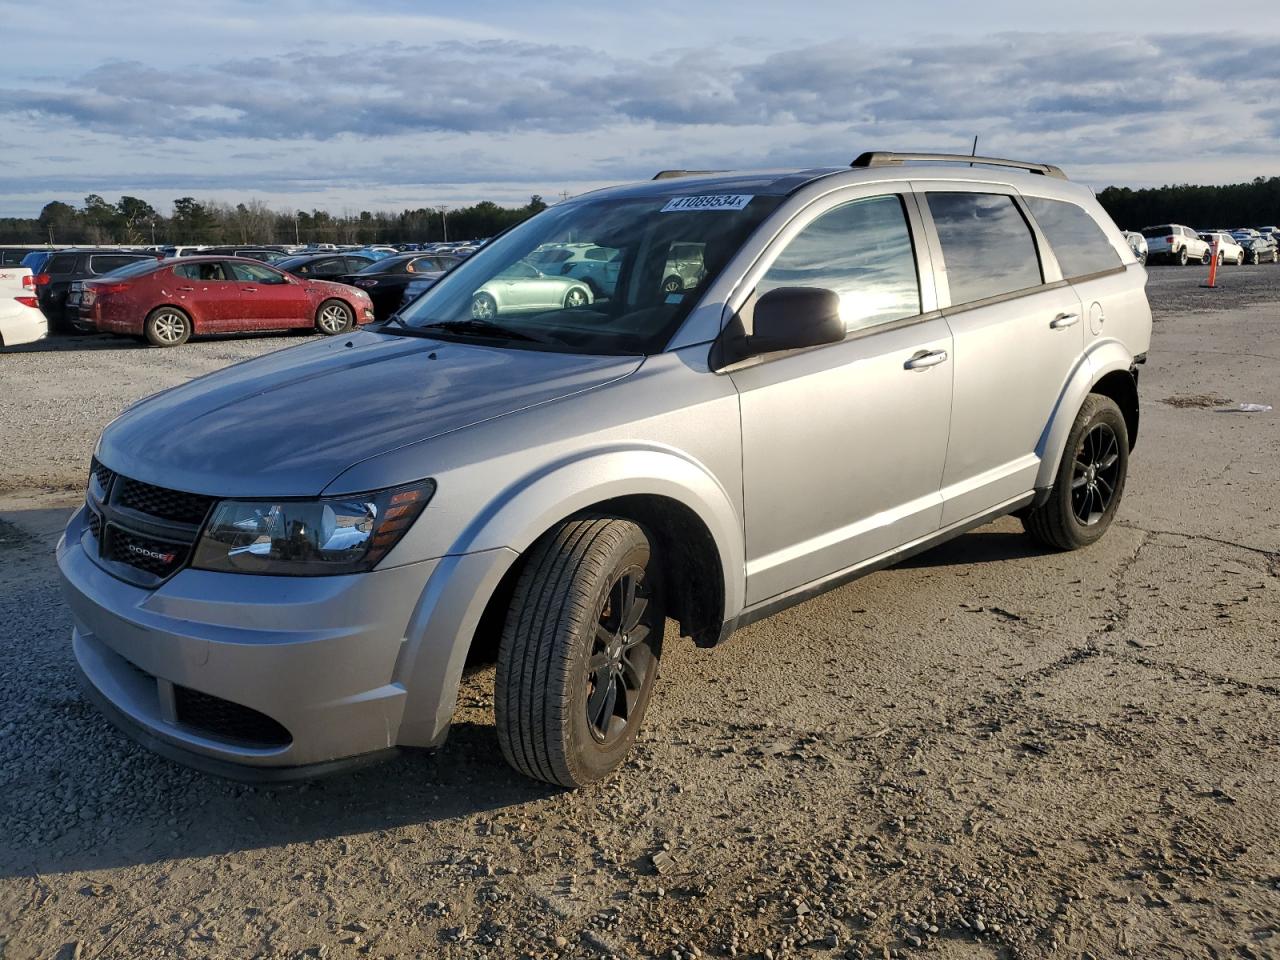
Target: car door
843, 445
1018, 336
213, 297
269, 299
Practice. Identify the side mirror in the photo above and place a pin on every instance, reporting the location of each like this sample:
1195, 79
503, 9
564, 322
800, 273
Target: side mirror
786, 318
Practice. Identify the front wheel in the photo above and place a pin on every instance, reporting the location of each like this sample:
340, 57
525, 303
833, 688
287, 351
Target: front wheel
579, 651
576, 297
1255, 258
672, 285
167, 327
334, 317
1090, 479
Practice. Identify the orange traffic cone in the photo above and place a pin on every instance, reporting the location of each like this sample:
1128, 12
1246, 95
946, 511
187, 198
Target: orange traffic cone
1213, 264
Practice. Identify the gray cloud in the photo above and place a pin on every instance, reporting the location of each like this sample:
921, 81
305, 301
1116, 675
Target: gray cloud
1011, 82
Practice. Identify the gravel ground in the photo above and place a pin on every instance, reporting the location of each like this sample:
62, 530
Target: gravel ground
989, 752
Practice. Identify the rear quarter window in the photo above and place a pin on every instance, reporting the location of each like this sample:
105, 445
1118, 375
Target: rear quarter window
60, 263
1077, 241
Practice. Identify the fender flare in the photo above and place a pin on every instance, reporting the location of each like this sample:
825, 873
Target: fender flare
530, 505
459, 590
1102, 358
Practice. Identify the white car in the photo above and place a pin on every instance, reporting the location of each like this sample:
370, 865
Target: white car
20, 318
1229, 249
1176, 244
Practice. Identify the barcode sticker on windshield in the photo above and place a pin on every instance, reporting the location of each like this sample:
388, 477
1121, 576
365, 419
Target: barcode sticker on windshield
716, 201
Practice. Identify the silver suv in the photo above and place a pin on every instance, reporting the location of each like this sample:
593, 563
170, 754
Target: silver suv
280, 569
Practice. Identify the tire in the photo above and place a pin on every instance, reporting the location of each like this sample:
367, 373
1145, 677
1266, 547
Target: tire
483, 307
1070, 518
1142, 259
1255, 258
1206, 257
334, 317
567, 613
167, 327
672, 284
576, 297
1275, 255
1181, 257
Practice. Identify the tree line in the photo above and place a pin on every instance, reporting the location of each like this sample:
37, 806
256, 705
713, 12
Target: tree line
132, 221
1252, 204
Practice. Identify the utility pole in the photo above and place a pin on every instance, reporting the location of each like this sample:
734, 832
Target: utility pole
153, 231
297, 242
444, 224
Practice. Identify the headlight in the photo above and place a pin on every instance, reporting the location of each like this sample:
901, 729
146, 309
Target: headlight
303, 538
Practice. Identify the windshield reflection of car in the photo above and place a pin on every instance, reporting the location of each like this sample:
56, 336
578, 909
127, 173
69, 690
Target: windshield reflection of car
606, 276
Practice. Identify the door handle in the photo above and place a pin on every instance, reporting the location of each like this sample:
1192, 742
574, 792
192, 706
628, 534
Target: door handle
186, 289
1064, 320
249, 289
926, 359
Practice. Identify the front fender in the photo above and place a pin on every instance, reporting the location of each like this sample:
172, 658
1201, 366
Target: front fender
532, 504
1102, 358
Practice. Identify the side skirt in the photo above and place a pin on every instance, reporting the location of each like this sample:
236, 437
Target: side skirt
767, 608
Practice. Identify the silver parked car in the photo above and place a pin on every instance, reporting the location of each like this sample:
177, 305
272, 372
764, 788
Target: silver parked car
522, 288
875, 358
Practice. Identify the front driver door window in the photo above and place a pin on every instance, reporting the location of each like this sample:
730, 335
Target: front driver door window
843, 446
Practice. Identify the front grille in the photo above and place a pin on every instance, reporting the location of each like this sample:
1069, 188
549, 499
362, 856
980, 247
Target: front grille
159, 558
103, 475
144, 533
160, 502
225, 720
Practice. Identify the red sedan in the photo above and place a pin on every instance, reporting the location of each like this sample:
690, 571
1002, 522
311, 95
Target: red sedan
169, 300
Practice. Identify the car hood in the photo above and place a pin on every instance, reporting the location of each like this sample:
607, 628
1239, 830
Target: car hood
288, 423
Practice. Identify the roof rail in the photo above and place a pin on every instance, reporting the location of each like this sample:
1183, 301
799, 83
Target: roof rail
668, 174
883, 159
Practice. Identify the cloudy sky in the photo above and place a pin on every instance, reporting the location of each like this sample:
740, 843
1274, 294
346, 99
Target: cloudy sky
347, 105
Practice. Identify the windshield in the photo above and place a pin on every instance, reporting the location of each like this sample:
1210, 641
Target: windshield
609, 276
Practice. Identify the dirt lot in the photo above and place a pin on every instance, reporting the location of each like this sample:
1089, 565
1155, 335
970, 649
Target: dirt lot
990, 752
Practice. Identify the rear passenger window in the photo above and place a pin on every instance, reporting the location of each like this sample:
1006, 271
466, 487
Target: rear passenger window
1078, 242
207, 271
986, 245
862, 251
108, 262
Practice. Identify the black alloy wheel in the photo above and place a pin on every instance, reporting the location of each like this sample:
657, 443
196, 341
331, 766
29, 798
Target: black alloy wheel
1095, 474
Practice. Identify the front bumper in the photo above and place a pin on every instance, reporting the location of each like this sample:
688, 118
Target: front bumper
323, 659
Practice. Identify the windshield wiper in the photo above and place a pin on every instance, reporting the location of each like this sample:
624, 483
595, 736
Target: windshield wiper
479, 328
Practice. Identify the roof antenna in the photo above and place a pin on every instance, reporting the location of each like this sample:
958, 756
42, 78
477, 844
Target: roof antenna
974, 152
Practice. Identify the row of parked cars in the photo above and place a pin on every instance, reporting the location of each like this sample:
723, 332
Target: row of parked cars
1175, 243
168, 294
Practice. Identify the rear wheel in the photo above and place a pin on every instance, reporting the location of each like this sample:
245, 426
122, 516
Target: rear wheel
579, 651
167, 327
483, 307
1090, 479
334, 317
576, 297
1181, 257
1206, 257
672, 285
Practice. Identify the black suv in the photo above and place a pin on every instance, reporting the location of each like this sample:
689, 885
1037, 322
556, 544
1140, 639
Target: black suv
65, 267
